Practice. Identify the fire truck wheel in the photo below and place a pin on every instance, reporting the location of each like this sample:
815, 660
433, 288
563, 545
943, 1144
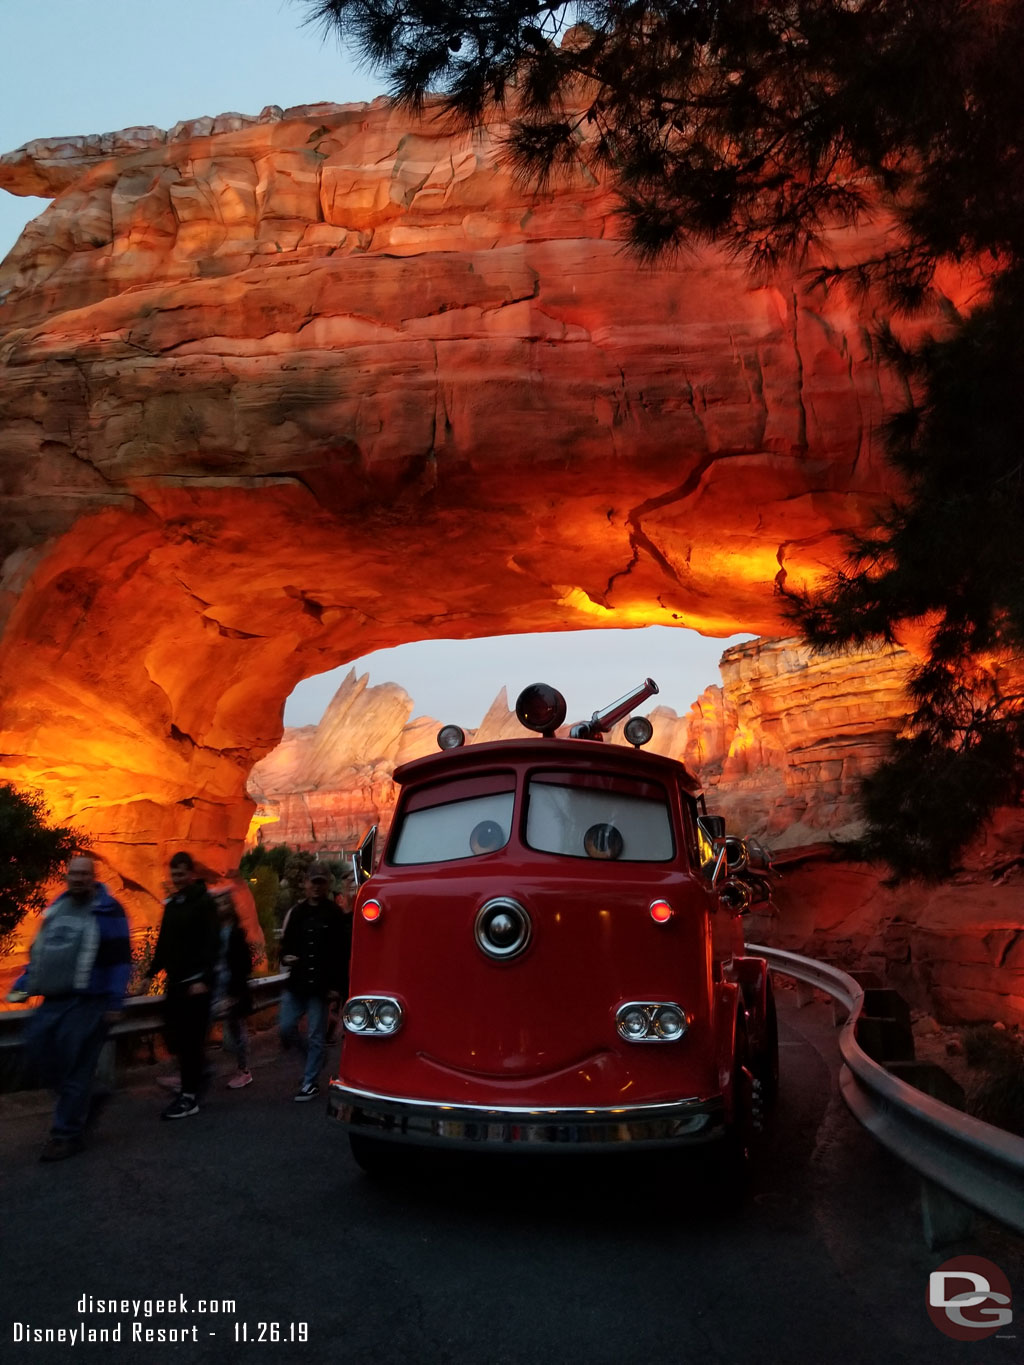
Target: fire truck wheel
375, 1158
730, 1158
766, 1063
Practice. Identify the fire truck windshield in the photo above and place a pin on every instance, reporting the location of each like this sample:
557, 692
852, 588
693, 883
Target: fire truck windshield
454, 829
597, 815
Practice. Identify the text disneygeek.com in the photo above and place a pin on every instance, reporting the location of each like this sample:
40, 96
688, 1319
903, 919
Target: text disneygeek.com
134, 1323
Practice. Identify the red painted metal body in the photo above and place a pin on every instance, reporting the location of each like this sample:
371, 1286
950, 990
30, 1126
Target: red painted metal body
537, 1032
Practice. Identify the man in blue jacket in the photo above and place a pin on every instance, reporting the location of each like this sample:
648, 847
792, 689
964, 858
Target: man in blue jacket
79, 963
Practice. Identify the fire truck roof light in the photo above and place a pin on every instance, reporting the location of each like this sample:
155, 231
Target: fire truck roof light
540, 707
638, 731
451, 737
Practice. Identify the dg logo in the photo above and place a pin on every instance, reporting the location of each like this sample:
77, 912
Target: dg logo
969, 1298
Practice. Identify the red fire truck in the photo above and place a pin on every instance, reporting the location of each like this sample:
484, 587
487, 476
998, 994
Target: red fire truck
550, 954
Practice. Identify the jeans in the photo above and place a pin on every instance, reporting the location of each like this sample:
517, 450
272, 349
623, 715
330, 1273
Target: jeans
314, 1045
235, 1033
63, 1041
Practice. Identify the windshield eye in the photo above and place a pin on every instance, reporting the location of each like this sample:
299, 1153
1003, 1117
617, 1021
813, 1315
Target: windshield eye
603, 841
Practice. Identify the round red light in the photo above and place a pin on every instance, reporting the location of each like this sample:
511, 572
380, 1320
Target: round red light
371, 910
661, 912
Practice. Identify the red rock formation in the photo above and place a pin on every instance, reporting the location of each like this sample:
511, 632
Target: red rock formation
325, 784
780, 747
276, 393
956, 950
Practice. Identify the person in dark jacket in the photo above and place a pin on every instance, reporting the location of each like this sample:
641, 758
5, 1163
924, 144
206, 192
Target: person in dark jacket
313, 948
232, 999
79, 963
187, 947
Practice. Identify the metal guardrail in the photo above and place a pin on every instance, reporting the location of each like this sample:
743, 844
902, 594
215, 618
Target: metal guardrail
142, 1013
979, 1164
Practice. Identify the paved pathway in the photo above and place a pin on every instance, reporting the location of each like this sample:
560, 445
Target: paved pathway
257, 1200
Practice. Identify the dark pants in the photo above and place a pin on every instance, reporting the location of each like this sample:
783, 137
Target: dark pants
186, 1024
63, 1042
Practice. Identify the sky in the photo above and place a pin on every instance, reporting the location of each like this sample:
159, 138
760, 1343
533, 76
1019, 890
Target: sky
72, 67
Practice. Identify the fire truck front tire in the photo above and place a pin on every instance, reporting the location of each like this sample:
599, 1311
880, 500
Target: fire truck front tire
729, 1176
766, 1063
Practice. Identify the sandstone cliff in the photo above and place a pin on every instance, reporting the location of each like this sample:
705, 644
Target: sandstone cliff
779, 747
279, 391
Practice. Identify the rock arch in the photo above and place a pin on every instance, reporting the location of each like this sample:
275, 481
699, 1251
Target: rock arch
278, 391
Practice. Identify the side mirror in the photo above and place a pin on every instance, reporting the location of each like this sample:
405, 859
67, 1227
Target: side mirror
734, 897
362, 859
712, 825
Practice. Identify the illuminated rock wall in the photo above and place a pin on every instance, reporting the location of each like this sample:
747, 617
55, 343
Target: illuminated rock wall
279, 391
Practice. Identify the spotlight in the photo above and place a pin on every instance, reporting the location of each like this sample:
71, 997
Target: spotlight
638, 731
541, 708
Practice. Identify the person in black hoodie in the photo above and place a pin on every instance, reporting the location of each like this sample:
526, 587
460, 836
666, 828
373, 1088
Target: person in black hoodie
187, 947
314, 949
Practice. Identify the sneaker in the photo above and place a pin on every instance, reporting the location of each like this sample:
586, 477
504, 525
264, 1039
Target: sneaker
308, 1091
59, 1147
181, 1108
240, 1079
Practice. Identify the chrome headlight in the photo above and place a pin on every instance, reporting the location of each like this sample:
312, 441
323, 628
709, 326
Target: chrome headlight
651, 1021
633, 1023
372, 1015
669, 1022
388, 1016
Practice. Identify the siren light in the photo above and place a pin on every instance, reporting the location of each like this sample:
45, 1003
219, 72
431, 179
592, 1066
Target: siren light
540, 707
451, 737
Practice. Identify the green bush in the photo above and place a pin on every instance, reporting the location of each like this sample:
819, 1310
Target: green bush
265, 886
274, 856
32, 852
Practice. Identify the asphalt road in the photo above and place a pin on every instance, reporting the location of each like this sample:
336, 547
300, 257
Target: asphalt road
257, 1200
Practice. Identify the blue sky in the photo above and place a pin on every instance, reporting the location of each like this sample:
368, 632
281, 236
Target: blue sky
72, 67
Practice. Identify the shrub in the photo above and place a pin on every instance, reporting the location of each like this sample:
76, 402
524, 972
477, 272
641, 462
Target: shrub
32, 852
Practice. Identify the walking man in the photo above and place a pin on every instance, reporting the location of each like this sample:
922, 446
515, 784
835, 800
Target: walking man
313, 948
186, 950
79, 963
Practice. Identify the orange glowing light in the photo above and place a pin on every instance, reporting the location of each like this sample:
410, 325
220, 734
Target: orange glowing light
742, 742
259, 819
371, 911
661, 912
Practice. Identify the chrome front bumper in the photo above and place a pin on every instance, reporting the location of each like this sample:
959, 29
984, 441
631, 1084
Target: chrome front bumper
681, 1123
